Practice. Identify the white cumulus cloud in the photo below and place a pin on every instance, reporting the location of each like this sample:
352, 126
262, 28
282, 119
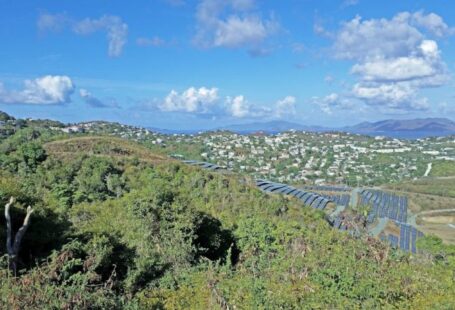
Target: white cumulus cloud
395, 58
193, 100
238, 106
44, 90
333, 101
232, 24
286, 107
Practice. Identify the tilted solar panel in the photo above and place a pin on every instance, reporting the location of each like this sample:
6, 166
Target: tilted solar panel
316, 202
266, 187
310, 201
289, 190
282, 190
277, 186
305, 196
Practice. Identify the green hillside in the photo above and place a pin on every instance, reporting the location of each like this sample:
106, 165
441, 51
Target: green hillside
116, 226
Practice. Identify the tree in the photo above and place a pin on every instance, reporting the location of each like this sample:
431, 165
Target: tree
14, 247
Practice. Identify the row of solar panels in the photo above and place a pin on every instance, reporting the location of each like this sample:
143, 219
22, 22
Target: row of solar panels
385, 205
310, 199
407, 240
408, 234
328, 188
339, 200
204, 165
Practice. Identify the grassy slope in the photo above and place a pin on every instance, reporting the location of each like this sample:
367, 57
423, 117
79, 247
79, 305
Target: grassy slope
102, 146
289, 256
443, 168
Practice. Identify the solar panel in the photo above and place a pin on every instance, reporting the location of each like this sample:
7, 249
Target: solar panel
296, 193
311, 199
282, 190
301, 194
266, 187
305, 197
289, 190
277, 186
324, 204
316, 202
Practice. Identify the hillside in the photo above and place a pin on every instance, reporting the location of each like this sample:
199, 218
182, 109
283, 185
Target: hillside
113, 231
419, 124
101, 146
411, 128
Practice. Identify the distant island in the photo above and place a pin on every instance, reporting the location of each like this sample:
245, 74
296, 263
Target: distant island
404, 129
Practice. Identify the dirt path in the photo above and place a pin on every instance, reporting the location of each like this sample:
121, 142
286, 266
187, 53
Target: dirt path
413, 217
427, 172
382, 222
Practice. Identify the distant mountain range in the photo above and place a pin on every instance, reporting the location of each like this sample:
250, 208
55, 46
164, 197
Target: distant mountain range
271, 127
412, 128
419, 124
409, 129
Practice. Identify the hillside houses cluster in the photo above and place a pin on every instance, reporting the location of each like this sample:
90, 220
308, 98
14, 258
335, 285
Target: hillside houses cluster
319, 158
295, 156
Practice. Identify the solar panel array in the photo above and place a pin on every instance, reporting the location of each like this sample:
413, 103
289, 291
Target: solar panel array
394, 207
339, 200
202, 164
328, 188
310, 199
408, 237
384, 205
407, 241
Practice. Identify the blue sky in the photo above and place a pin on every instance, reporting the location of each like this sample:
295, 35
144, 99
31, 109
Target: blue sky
185, 64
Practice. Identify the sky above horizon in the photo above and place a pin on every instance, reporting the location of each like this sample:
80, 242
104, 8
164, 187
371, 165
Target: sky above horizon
181, 64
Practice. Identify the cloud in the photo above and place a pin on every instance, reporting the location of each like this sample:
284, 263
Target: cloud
431, 22
237, 31
231, 24
394, 58
205, 102
116, 30
286, 107
44, 90
238, 106
193, 100
423, 64
329, 79
400, 96
95, 102
333, 101
52, 22
155, 41
347, 3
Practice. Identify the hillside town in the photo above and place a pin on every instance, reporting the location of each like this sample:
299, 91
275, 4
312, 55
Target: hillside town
296, 156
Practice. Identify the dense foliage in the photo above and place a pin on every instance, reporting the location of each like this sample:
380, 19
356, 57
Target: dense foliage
119, 232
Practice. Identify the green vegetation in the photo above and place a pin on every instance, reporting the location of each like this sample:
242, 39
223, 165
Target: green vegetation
439, 187
443, 168
118, 227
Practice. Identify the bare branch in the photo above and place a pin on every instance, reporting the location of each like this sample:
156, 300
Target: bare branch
20, 233
13, 248
9, 247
